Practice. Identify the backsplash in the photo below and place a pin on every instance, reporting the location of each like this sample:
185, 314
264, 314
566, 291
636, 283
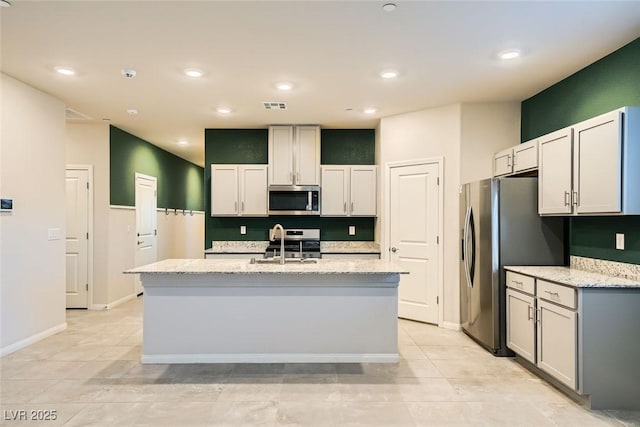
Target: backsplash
611, 268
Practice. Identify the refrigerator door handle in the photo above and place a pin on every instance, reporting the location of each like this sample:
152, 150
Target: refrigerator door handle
465, 253
472, 265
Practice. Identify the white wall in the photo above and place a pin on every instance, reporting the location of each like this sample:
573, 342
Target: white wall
485, 129
425, 134
32, 173
180, 236
88, 144
466, 135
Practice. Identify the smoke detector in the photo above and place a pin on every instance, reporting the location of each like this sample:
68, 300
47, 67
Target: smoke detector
275, 105
128, 73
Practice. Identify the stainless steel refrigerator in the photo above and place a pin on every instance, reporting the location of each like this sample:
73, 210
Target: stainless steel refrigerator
500, 226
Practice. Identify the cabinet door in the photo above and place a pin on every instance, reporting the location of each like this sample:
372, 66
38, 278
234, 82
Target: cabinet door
557, 342
363, 191
554, 173
224, 190
307, 155
335, 190
253, 190
281, 155
598, 164
521, 326
502, 162
525, 156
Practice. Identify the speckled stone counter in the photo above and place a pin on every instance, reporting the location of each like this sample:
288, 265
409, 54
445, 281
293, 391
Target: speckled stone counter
233, 311
245, 267
259, 247
574, 277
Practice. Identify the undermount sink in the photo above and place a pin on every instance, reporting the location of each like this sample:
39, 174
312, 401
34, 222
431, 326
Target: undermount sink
287, 261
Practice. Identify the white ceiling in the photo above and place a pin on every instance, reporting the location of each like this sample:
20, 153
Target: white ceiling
332, 51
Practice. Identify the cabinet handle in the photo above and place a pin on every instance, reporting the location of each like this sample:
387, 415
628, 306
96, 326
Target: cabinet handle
537, 315
576, 201
235, 207
243, 206
351, 207
567, 198
529, 312
509, 160
552, 293
345, 207
515, 156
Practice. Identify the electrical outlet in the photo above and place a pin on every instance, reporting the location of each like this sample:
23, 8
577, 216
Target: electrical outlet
243, 229
620, 241
352, 230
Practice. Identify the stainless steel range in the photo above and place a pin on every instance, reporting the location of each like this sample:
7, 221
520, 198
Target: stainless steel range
298, 243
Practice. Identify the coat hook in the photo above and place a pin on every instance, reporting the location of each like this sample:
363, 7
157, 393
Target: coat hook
166, 211
184, 212
191, 212
175, 211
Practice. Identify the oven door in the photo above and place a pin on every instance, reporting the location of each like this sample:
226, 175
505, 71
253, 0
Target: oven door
298, 200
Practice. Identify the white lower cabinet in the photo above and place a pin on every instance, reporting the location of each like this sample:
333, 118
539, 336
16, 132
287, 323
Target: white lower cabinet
557, 342
542, 326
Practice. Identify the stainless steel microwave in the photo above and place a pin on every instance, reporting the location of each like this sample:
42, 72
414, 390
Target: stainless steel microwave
294, 200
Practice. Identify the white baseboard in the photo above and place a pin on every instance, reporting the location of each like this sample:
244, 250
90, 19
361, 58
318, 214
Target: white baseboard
452, 326
32, 339
270, 358
120, 301
98, 307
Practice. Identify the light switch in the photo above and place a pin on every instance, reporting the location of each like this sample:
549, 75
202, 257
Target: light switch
352, 230
620, 241
53, 234
243, 229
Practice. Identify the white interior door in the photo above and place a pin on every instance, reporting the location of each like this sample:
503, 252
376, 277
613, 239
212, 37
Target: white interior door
146, 227
414, 206
77, 238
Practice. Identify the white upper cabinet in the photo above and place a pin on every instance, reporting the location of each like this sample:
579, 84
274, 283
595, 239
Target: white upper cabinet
349, 190
520, 158
238, 190
294, 155
591, 168
554, 173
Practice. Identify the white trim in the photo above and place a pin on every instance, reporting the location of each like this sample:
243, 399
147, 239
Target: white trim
90, 228
120, 301
451, 325
131, 208
32, 339
384, 254
271, 358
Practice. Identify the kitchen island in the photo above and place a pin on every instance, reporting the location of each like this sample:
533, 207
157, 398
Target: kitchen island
236, 311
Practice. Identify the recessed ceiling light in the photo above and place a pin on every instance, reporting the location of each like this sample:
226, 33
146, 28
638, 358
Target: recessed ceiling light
284, 86
389, 7
389, 74
370, 110
223, 110
65, 71
128, 73
132, 112
183, 142
193, 72
5, 3
509, 54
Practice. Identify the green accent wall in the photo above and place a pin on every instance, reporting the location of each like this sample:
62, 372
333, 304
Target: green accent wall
348, 147
611, 82
180, 183
241, 146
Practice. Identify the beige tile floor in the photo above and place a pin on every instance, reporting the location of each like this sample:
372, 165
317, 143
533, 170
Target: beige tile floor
90, 375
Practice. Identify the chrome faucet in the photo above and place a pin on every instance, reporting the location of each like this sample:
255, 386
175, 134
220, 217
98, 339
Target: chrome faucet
272, 236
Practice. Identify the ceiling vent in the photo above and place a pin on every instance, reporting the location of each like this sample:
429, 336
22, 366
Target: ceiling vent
275, 105
71, 114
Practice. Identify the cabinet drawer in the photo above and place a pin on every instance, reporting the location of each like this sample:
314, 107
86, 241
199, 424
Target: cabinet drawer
521, 282
558, 294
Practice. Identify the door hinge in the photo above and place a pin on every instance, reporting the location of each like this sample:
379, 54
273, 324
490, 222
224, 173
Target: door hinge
437, 300
87, 185
438, 181
87, 286
437, 240
155, 232
87, 236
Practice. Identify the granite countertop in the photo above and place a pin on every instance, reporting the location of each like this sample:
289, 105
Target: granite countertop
243, 266
575, 277
259, 247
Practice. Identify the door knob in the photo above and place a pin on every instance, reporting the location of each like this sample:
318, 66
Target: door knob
394, 249
140, 242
